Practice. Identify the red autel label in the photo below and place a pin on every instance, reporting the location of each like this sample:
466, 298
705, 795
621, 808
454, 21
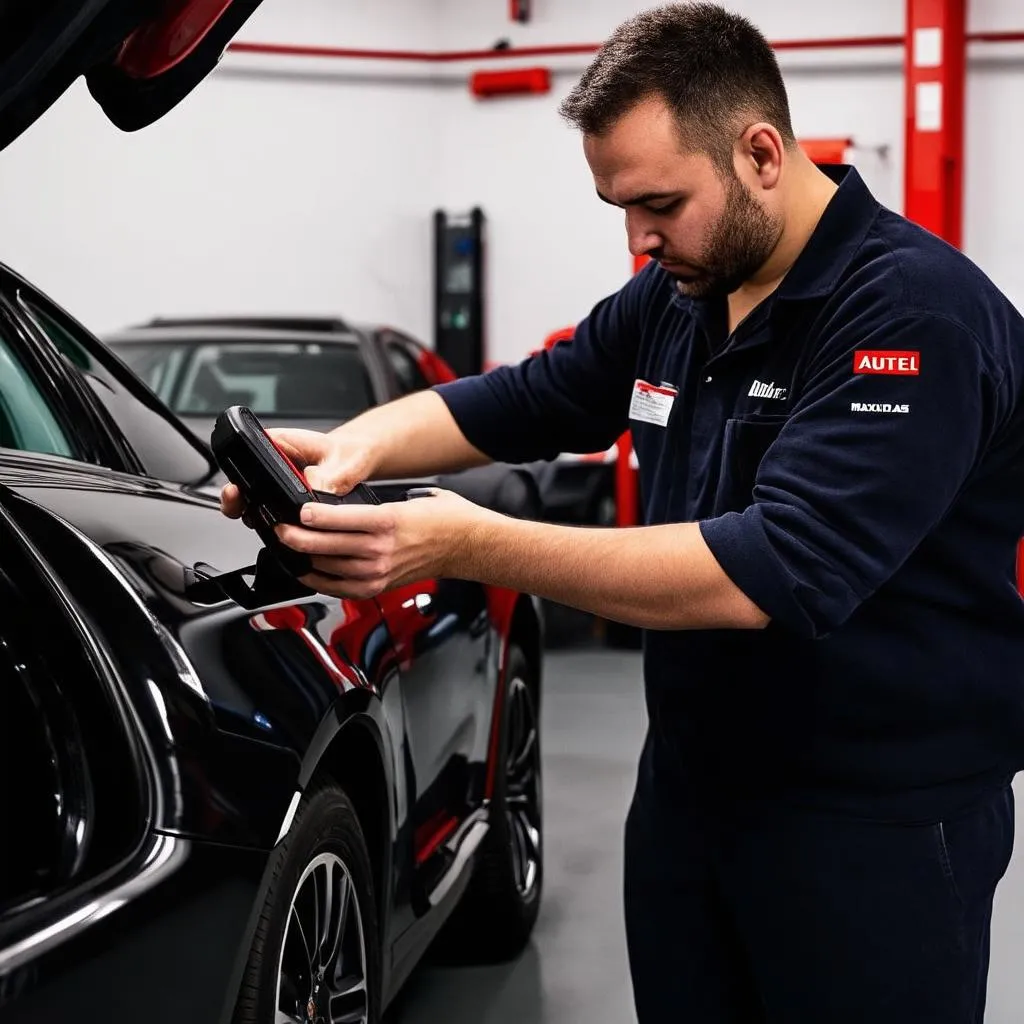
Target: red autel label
902, 364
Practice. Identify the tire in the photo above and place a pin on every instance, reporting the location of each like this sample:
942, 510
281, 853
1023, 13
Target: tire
495, 918
325, 841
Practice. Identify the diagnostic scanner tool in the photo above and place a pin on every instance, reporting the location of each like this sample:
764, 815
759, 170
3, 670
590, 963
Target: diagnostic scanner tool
274, 488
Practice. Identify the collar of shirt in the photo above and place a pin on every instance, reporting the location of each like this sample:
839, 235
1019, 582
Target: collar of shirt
838, 235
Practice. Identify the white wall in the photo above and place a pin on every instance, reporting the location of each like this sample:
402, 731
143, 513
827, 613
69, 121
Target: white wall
278, 185
308, 185
993, 207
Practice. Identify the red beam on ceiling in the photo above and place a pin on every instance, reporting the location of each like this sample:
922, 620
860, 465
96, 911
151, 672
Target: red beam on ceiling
995, 37
571, 49
430, 57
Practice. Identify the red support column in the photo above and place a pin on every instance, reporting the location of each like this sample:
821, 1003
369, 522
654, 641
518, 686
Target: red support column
627, 496
627, 490
936, 56
1020, 568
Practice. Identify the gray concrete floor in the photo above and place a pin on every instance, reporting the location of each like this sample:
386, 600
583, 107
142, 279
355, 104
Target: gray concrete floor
575, 966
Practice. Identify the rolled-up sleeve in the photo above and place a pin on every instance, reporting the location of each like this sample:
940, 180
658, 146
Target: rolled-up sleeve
573, 397
887, 428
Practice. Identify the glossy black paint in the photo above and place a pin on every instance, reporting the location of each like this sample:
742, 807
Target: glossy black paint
221, 713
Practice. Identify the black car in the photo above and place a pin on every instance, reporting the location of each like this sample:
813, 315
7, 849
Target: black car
225, 797
308, 372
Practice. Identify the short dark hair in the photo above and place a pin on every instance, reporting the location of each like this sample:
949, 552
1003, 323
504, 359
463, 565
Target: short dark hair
710, 66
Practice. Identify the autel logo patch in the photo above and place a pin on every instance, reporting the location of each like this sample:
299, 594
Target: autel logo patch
759, 390
903, 364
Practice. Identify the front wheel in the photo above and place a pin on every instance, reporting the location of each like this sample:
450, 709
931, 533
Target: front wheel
316, 953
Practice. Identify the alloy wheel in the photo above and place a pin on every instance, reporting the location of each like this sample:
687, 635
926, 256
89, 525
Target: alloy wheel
523, 787
321, 977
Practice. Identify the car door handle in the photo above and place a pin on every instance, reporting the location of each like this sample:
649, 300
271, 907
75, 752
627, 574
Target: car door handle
252, 586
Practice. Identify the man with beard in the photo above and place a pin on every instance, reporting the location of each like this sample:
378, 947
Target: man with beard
825, 402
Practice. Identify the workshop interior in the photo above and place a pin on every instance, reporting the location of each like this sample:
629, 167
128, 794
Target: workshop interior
298, 211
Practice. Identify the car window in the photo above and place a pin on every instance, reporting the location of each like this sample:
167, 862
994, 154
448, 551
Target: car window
158, 367
27, 423
282, 380
410, 377
165, 450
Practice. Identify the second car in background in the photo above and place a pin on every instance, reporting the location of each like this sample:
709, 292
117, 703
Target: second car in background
314, 372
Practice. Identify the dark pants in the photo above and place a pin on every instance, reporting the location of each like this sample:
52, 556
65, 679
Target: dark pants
781, 915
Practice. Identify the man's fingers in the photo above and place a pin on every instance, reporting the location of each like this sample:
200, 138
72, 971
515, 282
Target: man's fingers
354, 590
231, 502
355, 568
318, 515
301, 446
342, 543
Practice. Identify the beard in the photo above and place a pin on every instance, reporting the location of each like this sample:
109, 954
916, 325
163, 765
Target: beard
738, 246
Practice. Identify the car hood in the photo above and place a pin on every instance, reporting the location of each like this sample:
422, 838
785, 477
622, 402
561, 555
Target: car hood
139, 58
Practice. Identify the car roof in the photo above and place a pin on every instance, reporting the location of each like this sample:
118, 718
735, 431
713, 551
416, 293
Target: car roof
314, 324
258, 321
227, 335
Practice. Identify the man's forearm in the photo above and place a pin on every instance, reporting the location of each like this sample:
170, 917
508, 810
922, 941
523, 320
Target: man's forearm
415, 436
657, 577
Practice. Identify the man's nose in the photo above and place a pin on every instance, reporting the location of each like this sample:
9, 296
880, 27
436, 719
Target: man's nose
640, 235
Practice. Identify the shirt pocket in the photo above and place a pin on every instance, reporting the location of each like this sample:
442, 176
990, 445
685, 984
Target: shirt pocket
747, 439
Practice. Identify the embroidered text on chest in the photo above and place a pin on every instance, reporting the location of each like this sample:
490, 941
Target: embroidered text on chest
761, 390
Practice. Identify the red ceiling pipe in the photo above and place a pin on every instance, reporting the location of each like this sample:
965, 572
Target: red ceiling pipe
572, 49
995, 37
560, 50
435, 57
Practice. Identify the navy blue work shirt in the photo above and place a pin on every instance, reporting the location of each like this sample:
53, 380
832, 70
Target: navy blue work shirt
854, 454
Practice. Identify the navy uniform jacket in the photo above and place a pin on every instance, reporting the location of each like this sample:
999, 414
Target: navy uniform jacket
854, 454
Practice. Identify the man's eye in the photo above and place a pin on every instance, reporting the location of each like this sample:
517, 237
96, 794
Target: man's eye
667, 208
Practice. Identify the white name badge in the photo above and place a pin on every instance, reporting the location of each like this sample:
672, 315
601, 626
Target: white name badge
652, 403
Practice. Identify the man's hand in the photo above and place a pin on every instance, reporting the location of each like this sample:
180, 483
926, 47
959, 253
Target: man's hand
360, 551
333, 462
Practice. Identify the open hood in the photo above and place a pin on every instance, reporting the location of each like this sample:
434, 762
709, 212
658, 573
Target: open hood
139, 57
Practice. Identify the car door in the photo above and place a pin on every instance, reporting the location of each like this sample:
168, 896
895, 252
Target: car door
432, 684
439, 712
440, 629
94, 899
158, 511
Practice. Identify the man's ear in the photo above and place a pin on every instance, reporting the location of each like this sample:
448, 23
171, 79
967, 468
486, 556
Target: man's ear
762, 151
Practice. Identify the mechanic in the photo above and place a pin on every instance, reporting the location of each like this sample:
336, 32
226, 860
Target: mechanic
825, 402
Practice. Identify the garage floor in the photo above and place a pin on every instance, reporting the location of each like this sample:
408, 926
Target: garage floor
575, 968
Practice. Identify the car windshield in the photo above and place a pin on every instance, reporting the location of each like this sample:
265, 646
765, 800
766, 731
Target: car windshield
279, 380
